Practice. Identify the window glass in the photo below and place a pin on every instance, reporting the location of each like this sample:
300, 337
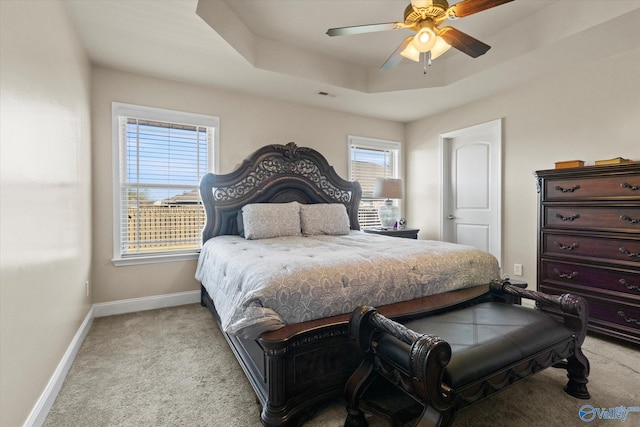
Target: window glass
162, 155
371, 159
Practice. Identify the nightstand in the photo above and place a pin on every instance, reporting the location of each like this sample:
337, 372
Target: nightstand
407, 233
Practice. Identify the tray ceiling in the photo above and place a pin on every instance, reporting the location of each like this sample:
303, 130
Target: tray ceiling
279, 49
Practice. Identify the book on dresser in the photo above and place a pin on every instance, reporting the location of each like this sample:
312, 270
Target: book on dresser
589, 242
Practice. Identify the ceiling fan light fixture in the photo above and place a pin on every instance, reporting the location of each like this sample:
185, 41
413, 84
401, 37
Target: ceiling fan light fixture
425, 19
410, 52
424, 40
439, 47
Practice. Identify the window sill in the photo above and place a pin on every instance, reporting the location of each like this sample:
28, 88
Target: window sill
153, 259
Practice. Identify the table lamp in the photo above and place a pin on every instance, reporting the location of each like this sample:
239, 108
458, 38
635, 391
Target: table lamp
388, 188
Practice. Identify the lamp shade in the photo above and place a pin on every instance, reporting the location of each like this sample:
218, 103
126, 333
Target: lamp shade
387, 188
439, 47
424, 40
410, 52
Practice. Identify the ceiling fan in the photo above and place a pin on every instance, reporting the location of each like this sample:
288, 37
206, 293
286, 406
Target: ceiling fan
425, 17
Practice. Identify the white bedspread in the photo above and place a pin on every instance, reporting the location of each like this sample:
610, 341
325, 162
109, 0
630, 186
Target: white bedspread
262, 285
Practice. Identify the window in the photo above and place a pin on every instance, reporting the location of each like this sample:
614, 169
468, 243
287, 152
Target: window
159, 158
371, 159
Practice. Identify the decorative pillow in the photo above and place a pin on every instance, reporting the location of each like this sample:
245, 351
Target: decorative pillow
265, 220
324, 218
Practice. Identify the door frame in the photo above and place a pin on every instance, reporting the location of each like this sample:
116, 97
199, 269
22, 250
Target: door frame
445, 175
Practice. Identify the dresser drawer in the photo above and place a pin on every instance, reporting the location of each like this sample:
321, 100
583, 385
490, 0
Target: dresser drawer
615, 218
583, 278
618, 187
605, 313
601, 249
608, 316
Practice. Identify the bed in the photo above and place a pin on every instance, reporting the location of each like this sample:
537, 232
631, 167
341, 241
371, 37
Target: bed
281, 291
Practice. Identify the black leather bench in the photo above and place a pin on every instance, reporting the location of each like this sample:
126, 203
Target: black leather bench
451, 360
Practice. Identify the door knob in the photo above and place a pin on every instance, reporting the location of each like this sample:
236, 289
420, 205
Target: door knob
451, 217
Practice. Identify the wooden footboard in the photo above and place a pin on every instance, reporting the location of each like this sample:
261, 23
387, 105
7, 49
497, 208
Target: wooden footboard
292, 373
300, 366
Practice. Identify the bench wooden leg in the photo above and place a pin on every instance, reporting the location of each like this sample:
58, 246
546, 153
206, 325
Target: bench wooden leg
577, 372
357, 385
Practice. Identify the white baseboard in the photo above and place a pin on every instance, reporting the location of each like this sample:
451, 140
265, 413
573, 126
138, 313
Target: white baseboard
42, 407
145, 303
40, 411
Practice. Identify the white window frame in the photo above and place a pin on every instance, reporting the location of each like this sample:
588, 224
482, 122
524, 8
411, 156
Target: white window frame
156, 114
374, 143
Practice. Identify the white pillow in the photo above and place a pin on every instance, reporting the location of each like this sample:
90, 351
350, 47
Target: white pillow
324, 218
265, 220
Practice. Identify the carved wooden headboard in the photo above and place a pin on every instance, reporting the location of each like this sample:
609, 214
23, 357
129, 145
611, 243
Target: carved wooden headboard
275, 174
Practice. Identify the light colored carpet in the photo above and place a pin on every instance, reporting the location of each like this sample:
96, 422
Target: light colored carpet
172, 367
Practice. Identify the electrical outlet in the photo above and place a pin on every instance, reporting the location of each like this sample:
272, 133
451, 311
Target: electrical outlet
86, 287
517, 269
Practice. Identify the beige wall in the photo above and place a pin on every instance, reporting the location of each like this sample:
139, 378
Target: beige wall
587, 113
45, 198
246, 123
48, 244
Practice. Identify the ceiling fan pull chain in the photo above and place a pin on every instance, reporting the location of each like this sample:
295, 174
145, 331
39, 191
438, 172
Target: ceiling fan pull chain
427, 61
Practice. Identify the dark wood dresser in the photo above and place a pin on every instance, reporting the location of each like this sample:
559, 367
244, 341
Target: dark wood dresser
589, 242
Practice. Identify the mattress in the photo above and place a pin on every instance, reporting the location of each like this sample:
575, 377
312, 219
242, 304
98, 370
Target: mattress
263, 285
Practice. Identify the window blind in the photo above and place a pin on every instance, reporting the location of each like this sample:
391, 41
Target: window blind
161, 164
371, 159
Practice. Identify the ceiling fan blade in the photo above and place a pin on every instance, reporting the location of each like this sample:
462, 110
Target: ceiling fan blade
463, 42
360, 29
395, 57
469, 7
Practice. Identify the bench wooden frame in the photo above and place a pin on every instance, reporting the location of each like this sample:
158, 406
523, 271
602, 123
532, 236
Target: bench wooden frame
429, 356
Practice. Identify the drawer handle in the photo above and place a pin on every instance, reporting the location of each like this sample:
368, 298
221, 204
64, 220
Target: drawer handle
629, 219
630, 287
564, 275
630, 187
568, 218
568, 248
629, 253
628, 319
572, 189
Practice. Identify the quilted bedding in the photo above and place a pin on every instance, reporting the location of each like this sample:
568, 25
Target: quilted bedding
262, 285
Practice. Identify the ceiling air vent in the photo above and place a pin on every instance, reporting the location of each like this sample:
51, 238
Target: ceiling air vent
323, 93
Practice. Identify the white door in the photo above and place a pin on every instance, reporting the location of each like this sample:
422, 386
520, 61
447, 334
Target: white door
472, 187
